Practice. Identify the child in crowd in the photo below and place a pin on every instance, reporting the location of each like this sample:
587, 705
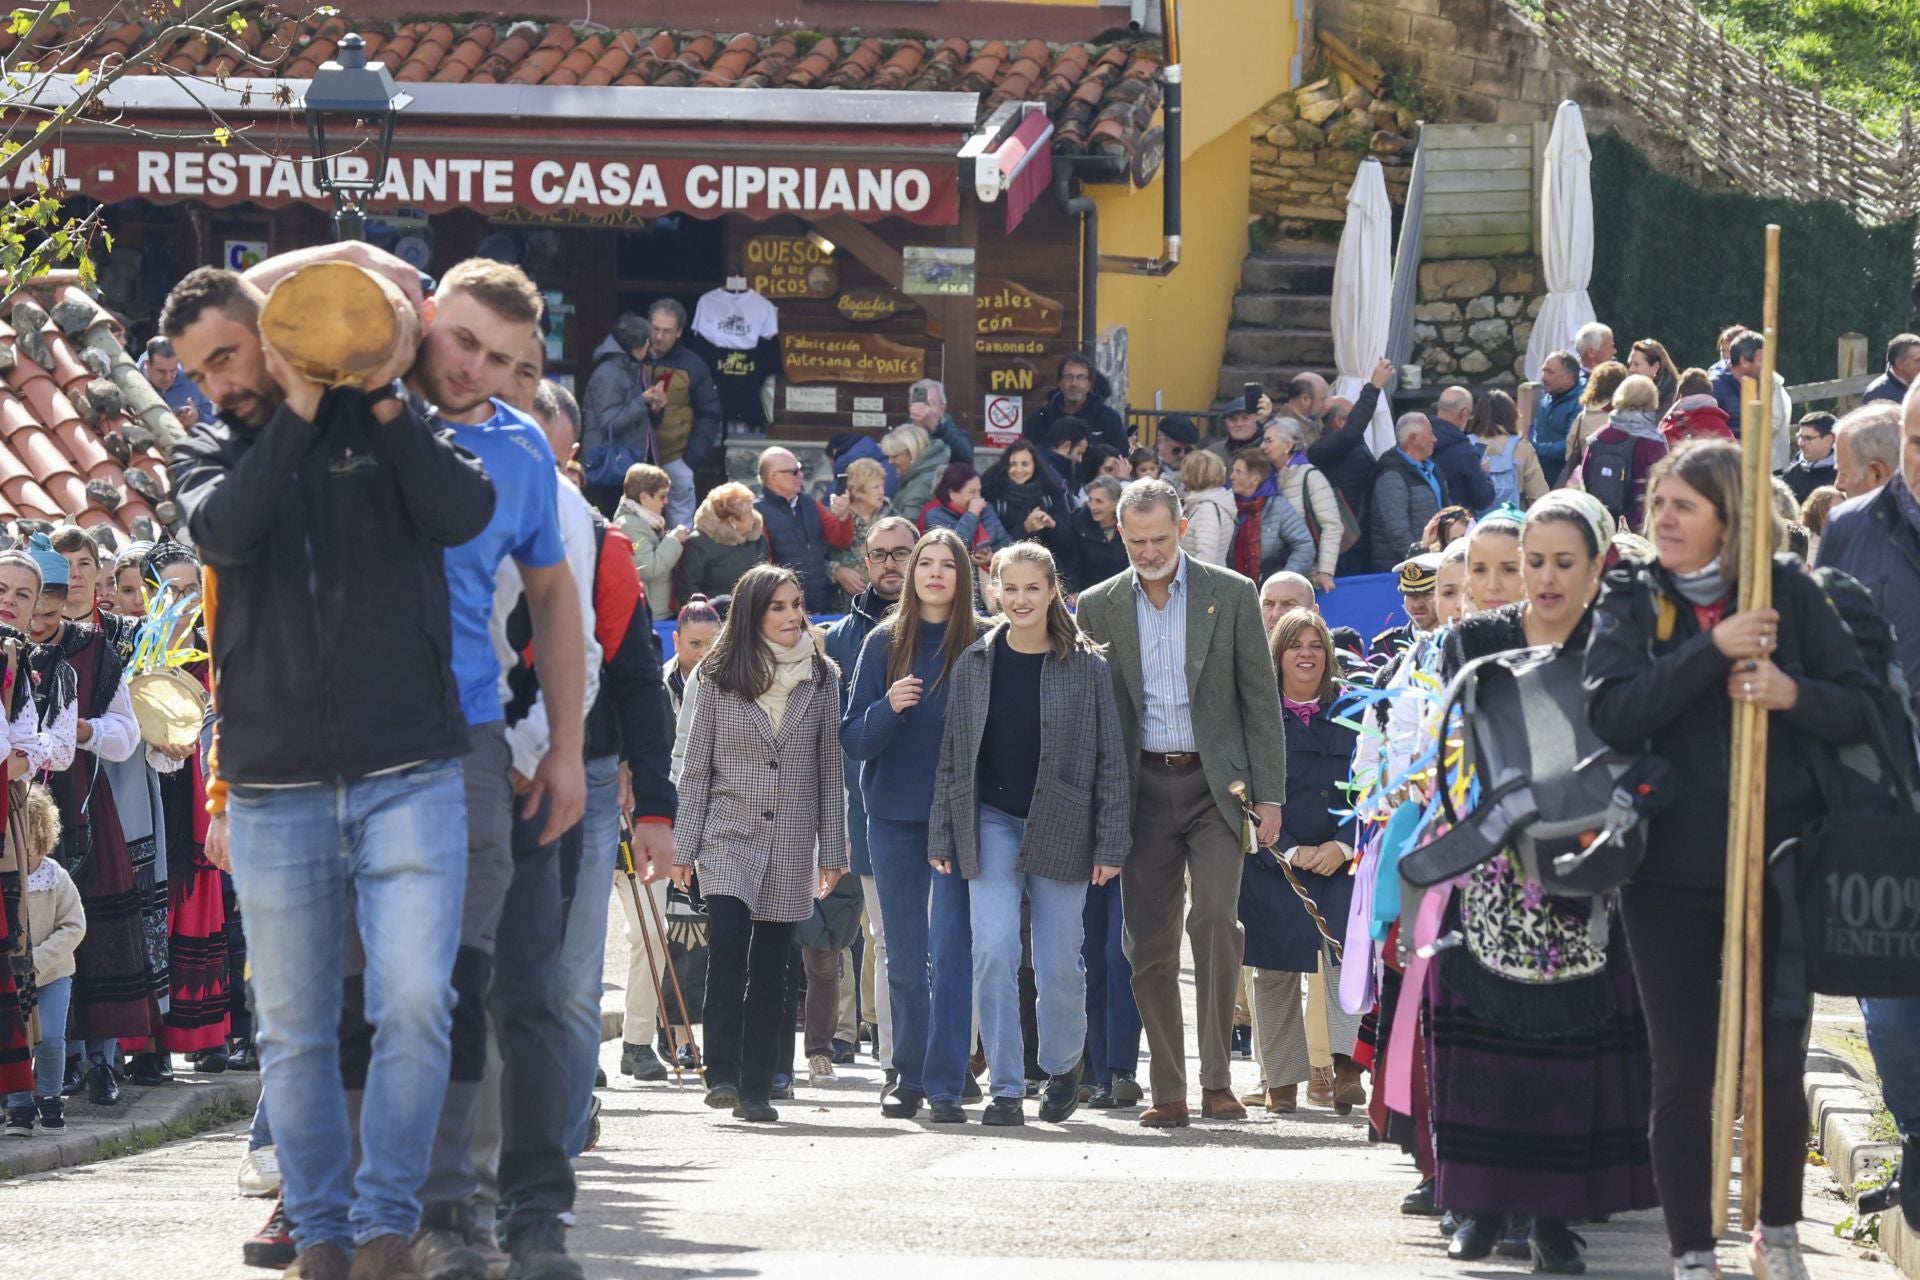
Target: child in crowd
56, 924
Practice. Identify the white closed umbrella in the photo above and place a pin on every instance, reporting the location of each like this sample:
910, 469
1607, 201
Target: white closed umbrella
1363, 295
1566, 238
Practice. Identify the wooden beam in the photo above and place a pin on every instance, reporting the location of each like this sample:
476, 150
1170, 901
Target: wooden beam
960, 321
858, 239
1364, 70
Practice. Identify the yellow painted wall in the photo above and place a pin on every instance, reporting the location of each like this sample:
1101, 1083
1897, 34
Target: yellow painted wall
1177, 326
1236, 55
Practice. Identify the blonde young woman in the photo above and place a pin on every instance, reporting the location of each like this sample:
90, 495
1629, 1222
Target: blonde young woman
1211, 513
1031, 801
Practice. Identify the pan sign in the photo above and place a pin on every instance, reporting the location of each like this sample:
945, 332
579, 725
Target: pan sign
1004, 416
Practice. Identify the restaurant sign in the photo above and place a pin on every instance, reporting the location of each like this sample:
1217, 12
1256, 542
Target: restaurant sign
530, 181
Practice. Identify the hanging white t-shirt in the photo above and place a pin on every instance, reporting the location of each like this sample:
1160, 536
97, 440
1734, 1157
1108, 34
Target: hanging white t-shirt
735, 321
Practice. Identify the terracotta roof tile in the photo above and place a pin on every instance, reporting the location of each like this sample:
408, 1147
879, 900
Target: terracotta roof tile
1111, 89
50, 453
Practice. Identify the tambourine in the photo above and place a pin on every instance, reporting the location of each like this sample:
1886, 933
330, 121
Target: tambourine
337, 323
170, 706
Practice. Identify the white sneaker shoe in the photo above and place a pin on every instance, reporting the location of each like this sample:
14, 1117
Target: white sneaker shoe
1697, 1265
820, 1069
1774, 1254
260, 1173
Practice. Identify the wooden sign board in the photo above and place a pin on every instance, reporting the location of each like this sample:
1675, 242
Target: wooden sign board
1011, 377
849, 357
865, 306
1001, 306
1010, 346
788, 267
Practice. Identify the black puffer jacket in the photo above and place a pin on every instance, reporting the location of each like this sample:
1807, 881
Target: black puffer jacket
333, 641
1661, 685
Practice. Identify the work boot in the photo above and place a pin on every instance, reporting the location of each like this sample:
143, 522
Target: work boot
539, 1252
387, 1257
440, 1247
1349, 1089
320, 1262
1320, 1088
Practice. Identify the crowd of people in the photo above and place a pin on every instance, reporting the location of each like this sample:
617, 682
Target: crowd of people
1075, 708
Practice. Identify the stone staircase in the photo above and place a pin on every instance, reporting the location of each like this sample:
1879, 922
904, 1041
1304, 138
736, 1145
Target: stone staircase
1282, 318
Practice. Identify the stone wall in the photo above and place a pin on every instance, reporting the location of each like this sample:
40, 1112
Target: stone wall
1308, 144
1482, 60
1473, 318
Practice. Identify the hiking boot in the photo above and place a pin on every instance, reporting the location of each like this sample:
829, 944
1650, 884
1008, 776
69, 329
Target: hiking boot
441, 1247
20, 1122
272, 1245
320, 1262
820, 1069
1319, 1089
481, 1241
385, 1257
53, 1113
539, 1252
641, 1062
260, 1173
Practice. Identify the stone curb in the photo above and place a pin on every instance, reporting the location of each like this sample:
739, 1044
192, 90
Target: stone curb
169, 1111
1841, 1106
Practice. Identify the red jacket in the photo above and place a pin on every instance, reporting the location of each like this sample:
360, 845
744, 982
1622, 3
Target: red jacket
1693, 417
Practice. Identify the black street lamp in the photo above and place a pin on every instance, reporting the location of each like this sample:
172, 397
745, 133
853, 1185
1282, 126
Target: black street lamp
358, 105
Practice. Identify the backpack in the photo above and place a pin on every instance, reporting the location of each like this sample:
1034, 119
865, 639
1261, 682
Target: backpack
1608, 473
1849, 886
1572, 809
1501, 470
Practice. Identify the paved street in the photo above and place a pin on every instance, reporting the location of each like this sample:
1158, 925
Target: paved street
835, 1189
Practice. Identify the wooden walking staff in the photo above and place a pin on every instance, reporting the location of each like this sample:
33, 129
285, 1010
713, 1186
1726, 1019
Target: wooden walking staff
651, 923
1737, 1066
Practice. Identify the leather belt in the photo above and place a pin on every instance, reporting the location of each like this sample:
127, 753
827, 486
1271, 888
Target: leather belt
1172, 759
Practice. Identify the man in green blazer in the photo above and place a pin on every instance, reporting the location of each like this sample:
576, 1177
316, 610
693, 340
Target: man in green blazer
1200, 709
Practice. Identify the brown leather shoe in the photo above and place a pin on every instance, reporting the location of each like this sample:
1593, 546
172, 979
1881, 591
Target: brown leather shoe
1320, 1088
1165, 1115
388, 1257
1257, 1098
1283, 1101
319, 1262
1349, 1091
1220, 1104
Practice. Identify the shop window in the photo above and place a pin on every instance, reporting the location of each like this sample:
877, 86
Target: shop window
674, 249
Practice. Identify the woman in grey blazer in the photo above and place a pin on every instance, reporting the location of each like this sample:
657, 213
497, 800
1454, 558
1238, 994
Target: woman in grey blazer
1031, 796
761, 816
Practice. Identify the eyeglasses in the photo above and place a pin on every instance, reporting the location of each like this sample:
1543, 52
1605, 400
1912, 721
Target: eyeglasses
789, 471
898, 555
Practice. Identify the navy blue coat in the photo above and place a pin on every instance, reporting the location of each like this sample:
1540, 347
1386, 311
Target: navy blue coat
844, 640
1456, 458
1868, 539
1280, 933
798, 536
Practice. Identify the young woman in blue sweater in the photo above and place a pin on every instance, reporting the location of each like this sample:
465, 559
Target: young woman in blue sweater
895, 719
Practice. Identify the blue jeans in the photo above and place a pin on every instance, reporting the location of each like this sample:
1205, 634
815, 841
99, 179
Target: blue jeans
1893, 1033
1113, 1019
929, 960
583, 953
50, 1055
396, 843
1058, 973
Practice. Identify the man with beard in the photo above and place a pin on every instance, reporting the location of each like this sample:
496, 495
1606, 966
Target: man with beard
338, 747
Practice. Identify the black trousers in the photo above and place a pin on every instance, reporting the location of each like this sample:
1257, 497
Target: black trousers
536, 1177
1675, 935
749, 1021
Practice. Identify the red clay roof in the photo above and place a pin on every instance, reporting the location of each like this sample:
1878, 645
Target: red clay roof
1100, 96
66, 440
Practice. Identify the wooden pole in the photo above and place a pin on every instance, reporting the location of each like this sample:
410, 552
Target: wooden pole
1737, 1063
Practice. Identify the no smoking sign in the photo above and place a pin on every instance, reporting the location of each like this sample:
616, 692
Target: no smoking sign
1004, 417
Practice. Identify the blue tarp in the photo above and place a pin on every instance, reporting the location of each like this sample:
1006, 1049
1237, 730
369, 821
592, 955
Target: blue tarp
1369, 603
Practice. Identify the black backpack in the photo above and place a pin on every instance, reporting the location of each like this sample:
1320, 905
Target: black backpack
1571, 808
1608, 473
1849, 886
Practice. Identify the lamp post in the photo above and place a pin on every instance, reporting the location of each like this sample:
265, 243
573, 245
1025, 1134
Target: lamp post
356, 105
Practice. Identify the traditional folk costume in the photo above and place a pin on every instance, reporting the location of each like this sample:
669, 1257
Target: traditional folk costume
16, 941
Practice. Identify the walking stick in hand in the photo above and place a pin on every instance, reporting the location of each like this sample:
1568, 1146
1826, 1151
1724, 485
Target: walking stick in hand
641, 900
1737, 1064
1239, 790
652, 909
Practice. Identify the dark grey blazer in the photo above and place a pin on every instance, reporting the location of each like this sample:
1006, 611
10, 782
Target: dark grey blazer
1235, 697
1082, 800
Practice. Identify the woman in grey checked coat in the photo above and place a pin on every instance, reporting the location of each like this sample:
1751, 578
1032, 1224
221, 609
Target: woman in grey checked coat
762, 818
1031, 798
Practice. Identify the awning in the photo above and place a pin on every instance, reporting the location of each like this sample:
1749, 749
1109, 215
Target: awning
1025, 162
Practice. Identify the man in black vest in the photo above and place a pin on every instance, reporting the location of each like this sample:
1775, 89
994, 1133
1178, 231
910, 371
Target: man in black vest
799, 528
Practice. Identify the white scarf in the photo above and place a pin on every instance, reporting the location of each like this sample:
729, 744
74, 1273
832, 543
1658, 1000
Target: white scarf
790, 667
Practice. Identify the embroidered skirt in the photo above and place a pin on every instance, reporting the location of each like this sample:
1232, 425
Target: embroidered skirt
199, 973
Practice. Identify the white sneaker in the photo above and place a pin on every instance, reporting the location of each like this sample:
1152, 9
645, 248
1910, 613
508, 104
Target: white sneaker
260, 1173
1774, 1254
820, 1069
1697, 1265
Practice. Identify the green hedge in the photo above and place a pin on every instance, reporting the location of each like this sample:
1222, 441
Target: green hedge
1678, 264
